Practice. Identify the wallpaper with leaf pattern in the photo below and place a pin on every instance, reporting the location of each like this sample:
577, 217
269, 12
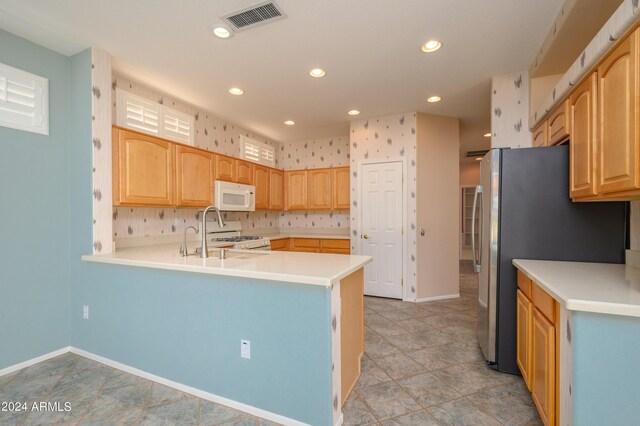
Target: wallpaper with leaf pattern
390, 137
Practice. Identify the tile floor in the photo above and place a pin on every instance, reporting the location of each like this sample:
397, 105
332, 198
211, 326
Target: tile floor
422, 366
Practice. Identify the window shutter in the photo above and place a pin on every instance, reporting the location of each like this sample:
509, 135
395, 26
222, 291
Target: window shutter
258, 152
178, 126
146, 116
24, 100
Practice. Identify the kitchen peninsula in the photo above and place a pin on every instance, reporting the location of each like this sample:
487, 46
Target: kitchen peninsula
183, 318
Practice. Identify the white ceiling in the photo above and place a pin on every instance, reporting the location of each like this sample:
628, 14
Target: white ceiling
369, 48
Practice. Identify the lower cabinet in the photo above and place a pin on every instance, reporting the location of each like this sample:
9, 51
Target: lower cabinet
537, 351
544, 367
312, 245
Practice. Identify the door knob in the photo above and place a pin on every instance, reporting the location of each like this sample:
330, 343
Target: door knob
365, 236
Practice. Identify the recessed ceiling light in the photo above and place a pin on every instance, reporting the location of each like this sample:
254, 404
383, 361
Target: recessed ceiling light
479, 159
289, 122
222, 32
431, 46
487, 135
236, 91
433, 99
317, 72
354, 112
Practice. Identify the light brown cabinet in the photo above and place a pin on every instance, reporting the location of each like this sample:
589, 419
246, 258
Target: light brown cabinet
618, 109
225, 168
276, 189
194, 177
540, 135
295, 190
341, 188
244, 172
544, 369
537, 347
335, 246
280, 245
559, 124
582, 103
319, 189
315, 245
524, 323
143, 169
261, 180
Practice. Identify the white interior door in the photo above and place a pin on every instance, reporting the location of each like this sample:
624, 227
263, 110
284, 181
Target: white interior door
381, 228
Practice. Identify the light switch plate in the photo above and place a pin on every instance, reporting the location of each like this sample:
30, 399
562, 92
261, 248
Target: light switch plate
245, 349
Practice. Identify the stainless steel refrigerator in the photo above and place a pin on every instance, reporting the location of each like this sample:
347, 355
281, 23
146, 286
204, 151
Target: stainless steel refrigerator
525, 212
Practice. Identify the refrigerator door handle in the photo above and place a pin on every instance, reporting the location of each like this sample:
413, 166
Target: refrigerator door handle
477, 260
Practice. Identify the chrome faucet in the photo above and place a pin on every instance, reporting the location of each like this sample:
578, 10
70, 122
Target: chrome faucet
204, 251
184, 251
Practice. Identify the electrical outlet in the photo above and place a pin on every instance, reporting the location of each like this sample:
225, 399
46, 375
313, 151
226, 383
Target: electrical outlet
245, 349
85, 312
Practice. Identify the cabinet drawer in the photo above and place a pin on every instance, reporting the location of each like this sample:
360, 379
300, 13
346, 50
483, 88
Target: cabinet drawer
336, 251
335, 244
307, 249
543, 302
306, 242
524, 283
282, 244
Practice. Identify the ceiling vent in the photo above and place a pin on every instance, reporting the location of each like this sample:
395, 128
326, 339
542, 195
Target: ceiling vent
476, 154
254, 16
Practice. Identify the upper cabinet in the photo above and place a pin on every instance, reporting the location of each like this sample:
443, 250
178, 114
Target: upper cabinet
618, 135
582, 109
276, 189
540, 135
295, 190
601, 115
194, 177
225, 168
244, 172
319, 189
559, 124
261, 179
341, 188
143, 169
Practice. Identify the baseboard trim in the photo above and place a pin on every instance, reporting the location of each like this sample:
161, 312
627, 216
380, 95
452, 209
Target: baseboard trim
434, 298
249, 409
32, 361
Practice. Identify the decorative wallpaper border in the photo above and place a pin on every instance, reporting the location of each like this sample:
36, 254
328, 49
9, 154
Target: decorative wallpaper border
627, 15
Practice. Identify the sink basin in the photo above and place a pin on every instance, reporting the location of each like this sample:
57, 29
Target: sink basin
242, 255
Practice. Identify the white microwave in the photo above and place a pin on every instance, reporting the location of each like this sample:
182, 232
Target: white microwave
234, 197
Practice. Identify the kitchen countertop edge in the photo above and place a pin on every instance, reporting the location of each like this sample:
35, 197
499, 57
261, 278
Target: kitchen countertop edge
561, 291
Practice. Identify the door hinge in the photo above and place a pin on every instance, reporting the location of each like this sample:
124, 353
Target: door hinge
402, 282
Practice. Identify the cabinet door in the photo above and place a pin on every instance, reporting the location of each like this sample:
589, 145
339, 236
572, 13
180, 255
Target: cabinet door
543, 380
583, 105
244, 172
319, 189
540, 135
225, 168
262, 182
558, 124
194, 177
280, 245
341, 188
524, 347
143, 170
618, 138
295, 190
276, 189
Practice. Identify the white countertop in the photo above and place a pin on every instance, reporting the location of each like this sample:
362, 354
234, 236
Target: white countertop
590, 287
293, 267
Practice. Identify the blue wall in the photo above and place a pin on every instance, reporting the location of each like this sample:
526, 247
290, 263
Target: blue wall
34, 218
606, 371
